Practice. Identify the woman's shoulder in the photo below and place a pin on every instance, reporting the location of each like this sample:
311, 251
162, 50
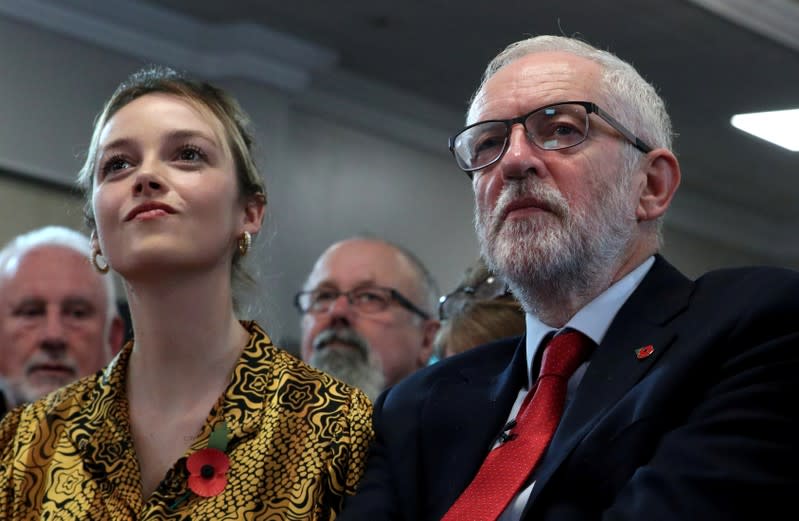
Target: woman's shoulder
297, 370
286, 363
20, 423
297, 380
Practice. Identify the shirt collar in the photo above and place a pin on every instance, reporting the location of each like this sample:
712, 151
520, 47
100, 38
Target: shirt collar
593, 320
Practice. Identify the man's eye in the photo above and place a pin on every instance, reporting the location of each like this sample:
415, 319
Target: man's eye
28, 311
369, 296
79, 313
558, 128
324, 296
564, 130
489, 143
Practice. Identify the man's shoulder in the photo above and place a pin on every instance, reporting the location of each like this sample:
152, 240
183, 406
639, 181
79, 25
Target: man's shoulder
752, 274
296, 374
493, 354
486, 360
481, 353
753, 304
729, 287
751, 285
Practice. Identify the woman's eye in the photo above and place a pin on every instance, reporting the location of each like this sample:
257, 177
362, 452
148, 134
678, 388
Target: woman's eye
115, 164
191, 153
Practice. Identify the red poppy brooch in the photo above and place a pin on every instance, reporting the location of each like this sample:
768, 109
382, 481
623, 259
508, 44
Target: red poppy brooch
644, 352
208, 467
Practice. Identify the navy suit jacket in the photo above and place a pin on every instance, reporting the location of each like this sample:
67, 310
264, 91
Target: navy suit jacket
702, 429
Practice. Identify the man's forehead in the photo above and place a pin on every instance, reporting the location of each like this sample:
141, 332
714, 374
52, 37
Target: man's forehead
50, 270
358, 263
533, 81
9, 264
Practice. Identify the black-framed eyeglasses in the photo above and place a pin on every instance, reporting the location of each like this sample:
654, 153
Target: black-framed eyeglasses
366, 300
490, 288
554, 127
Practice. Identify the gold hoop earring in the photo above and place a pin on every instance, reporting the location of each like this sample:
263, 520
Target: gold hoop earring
244, 243
100, 268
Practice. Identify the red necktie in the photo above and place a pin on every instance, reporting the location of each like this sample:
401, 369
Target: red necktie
507, 467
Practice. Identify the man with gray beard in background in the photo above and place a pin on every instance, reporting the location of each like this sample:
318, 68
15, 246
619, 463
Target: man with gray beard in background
367, 313
346, 355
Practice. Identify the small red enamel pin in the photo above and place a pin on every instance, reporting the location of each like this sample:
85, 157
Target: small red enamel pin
643, 352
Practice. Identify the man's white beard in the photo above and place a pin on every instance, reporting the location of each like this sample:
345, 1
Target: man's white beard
353, 363
559, 256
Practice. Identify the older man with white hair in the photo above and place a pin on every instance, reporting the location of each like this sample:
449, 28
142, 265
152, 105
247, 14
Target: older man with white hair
636, 393
58, 316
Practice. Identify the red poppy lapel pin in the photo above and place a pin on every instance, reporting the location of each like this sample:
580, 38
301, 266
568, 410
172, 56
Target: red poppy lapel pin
208, 467
644, 352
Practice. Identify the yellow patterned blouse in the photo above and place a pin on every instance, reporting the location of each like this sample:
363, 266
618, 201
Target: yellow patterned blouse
297, 444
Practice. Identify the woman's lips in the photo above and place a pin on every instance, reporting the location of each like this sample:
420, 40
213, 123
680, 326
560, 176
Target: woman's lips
149, 210
149, 214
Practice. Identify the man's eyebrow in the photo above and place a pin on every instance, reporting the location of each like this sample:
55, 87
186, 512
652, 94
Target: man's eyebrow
322, 285
78, 301
366, 284
328, 284
28, 301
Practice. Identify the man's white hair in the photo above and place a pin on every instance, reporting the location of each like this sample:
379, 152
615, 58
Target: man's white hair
63, 237
627, 95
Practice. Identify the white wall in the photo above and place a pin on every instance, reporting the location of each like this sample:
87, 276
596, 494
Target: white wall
332, 167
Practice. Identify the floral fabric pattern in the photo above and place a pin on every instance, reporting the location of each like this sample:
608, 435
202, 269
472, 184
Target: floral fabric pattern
297, 445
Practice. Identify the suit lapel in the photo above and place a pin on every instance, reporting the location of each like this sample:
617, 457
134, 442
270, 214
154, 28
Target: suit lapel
615, 365
463, 416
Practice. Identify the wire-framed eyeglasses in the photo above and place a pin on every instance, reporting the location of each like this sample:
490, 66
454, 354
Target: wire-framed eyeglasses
553, 127
366, 300
490, 288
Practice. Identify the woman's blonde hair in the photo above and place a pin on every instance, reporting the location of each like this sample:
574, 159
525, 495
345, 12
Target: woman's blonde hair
478, 321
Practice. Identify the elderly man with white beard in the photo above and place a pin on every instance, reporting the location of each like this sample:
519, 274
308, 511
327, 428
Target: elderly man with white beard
367, 313
636, 393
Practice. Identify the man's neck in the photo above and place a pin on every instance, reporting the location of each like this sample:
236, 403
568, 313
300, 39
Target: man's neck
555, 302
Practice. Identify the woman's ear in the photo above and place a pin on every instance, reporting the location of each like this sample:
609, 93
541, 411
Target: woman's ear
94, 243
662, 177
254, 210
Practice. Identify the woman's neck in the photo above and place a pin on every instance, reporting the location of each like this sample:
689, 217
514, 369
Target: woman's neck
186, 340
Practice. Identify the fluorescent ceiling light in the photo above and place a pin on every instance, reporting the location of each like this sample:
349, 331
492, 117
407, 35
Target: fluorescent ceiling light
781, 127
